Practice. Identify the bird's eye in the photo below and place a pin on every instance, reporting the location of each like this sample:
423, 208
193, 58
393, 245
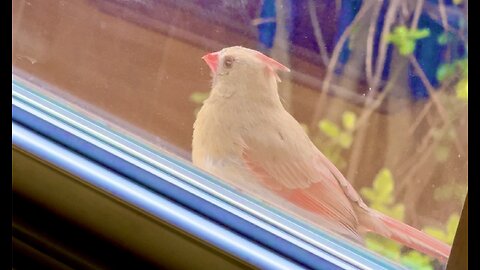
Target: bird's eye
228, 61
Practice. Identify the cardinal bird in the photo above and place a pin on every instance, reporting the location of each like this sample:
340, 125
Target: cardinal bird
244, 135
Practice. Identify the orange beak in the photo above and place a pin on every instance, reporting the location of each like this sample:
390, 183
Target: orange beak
212, 60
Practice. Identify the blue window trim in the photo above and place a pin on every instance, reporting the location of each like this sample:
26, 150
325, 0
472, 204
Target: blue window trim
147, 200
274, 247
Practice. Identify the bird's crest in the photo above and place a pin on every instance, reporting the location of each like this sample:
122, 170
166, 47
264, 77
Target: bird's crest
272, 64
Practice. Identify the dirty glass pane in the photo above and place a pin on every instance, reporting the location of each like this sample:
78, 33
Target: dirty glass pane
380, 87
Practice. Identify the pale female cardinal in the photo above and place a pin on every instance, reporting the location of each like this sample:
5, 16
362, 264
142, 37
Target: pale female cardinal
244, 135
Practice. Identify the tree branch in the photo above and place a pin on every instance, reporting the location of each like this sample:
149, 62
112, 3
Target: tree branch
416, 14
360, 127
371, 34
334, 59
443, 15
317, 31
382, 51
431, 91
419, 118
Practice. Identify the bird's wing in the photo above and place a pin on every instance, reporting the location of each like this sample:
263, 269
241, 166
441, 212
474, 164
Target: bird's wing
347, 188
301, 178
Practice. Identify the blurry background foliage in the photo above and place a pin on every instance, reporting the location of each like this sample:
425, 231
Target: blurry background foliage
394, 50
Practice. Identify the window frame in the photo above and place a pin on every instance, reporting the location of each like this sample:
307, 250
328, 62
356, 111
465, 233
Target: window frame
270, 239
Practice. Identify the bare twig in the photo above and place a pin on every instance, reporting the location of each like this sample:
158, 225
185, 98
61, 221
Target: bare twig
414, 192
443, 14
431, 91
446, 27
371, 34
371, 106
416, 163
419, 161
419, 118
389, 20
356, 153
441, 110
405, 12
341, 41
427, 107
459, 147
425, 144
416, 14
338, 6
334, 59
360, 126
317, 31
382, 51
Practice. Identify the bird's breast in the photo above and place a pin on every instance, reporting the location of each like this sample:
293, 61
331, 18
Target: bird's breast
214, 136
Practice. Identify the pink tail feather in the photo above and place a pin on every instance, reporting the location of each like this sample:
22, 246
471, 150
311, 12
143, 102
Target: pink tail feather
416, 239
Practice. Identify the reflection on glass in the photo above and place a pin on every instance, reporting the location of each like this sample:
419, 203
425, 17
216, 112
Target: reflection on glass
379, 87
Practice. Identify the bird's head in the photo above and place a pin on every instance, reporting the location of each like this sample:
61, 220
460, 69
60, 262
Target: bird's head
234, 65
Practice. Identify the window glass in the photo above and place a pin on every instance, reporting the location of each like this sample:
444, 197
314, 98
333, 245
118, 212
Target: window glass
379, 87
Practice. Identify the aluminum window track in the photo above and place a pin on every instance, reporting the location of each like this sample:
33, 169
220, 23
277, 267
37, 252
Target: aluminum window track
157, 183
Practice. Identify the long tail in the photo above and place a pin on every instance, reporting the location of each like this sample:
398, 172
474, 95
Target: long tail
416, 239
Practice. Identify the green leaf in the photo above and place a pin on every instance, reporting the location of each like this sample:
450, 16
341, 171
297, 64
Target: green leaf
443, 38
451, 229
199, 97
419, 33
445, 71
383, 246
435, 232
333, 155
383, 182
381, 206
405, 39
449, 69
461, 90
406, 48
452, 225
463, 65
380, 194
329, 128
384, 199
369, 194
415, 260
398, 212
349, 120
383, 186
399, 33
345, 140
